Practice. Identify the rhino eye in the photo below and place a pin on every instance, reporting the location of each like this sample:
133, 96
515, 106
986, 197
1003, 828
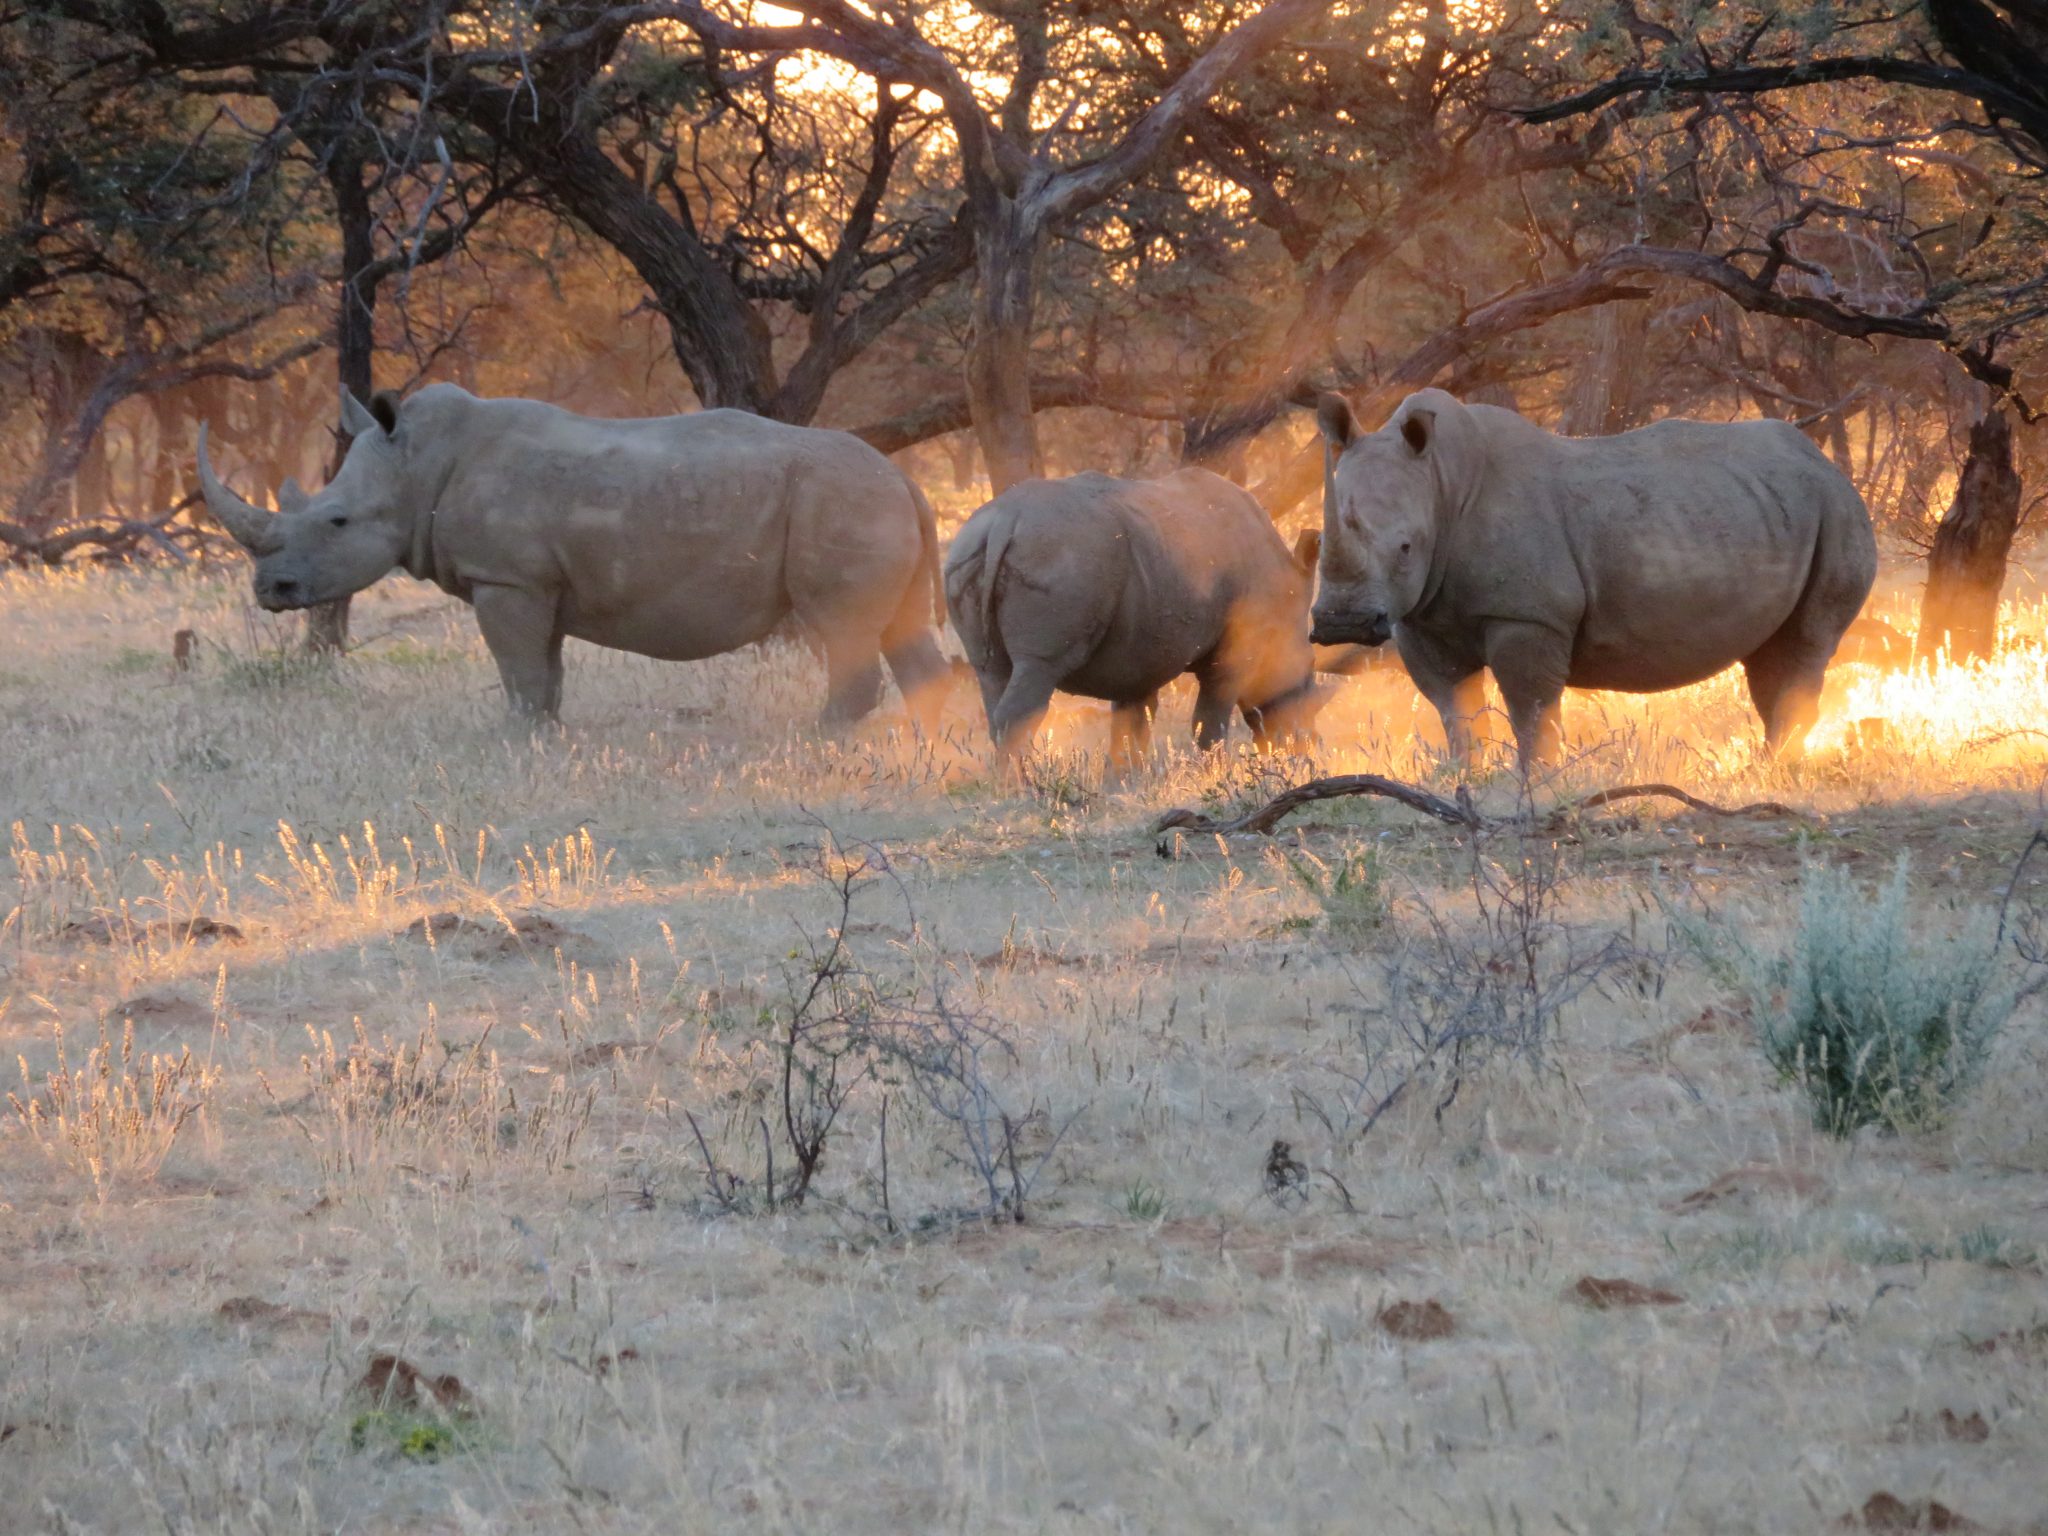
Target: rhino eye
1405, 546
338, 522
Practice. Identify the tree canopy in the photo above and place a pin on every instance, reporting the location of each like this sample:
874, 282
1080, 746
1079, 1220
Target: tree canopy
1007, 237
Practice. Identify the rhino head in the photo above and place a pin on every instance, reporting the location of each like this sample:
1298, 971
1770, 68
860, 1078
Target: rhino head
324, 546
1384, 499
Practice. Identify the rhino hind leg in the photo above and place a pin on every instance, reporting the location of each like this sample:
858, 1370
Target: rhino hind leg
1024, 701
1787, 671
1785, 679
921, 676
853, 680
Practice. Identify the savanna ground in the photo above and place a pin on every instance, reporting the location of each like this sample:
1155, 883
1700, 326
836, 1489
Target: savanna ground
473, 1142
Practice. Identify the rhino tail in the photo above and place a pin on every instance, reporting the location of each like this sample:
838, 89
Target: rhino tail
928, 532
993, 548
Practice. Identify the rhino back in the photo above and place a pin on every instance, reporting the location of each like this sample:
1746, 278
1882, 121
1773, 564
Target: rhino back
1130, 582
1664, 554
676, 537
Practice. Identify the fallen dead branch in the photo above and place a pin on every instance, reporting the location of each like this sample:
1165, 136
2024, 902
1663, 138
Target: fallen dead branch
1460, 812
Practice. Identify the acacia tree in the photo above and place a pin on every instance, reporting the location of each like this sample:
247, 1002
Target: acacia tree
122, 271
1940, 218
1029, 161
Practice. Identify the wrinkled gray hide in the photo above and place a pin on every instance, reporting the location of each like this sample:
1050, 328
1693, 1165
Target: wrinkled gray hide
677, 537
1112, 588
1645, 561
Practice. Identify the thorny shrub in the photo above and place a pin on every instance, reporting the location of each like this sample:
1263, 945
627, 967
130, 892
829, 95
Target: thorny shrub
846, 1029
1459, 991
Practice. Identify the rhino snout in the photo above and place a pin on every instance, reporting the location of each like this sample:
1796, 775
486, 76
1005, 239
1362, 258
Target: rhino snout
1371, 627
280, 594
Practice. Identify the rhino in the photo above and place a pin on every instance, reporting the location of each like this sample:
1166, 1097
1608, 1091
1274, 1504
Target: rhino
1639, 562
676, 537
1112, 588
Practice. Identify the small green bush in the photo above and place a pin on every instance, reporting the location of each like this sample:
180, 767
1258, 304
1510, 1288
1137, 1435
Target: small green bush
1143, 1203
1881, 1020
1351, 889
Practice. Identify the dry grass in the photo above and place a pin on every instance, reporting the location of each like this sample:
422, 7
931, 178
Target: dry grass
438, 1011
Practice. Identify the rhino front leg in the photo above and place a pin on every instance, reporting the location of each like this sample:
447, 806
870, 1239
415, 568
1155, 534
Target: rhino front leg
1454, 682
1530, 664
1214, 700
519, 627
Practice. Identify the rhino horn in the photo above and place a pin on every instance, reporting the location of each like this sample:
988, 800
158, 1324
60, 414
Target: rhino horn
253, 528
291, 496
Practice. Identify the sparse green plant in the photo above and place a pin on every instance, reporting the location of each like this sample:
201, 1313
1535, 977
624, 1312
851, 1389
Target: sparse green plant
1143, 1202
416, 1437
1994, 1249
1747, 1250
278, 669
1351, 889
1877, 1019
1984, 1244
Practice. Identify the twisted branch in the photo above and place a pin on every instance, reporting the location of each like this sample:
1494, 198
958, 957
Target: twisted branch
1460, 812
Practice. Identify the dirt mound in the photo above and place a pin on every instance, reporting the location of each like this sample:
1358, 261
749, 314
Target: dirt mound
526, 934
393, 1382
254, 1310
1602, 1295
1889, 1512
112, 928
603, 1053
1746, 1183
168, 1010
1417, 1321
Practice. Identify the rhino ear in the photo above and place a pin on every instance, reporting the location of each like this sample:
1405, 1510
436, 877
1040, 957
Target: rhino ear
1333, 415
384, 406
1308, 548
356, 419
291, 496
1417, 428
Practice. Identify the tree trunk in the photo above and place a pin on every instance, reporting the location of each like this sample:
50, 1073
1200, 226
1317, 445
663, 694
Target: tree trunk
1966, 568
355, 343
999, 351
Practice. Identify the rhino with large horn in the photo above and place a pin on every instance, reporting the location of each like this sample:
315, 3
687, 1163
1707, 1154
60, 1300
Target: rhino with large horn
676, 537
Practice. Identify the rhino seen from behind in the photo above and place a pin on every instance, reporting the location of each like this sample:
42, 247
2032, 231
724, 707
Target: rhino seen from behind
1112, 588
